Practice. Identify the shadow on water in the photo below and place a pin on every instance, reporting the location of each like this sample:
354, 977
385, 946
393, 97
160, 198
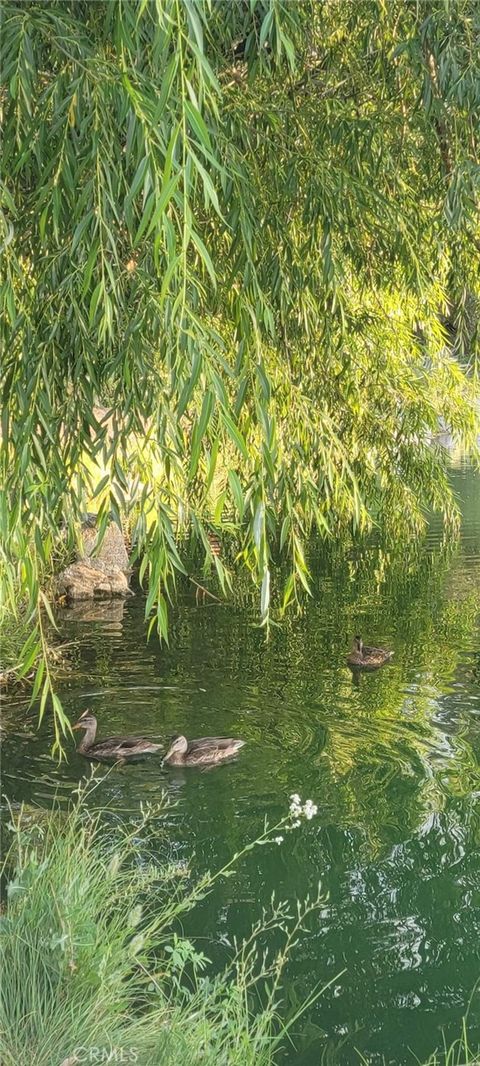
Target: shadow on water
390, 758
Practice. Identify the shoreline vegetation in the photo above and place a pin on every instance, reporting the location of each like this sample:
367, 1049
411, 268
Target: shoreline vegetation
93, 956
94, 961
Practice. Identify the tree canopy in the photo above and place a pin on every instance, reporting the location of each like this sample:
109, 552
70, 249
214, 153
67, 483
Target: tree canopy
240, 227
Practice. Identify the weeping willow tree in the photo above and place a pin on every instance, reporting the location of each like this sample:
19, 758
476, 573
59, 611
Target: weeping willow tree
239, 227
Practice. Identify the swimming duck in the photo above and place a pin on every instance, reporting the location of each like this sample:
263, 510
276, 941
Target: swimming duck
363, 657
199, 752
111, 747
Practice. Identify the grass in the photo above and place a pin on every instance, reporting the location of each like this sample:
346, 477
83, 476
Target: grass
94, 968
91, 955
459, 1053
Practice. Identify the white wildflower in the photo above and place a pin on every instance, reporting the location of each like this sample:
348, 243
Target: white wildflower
278, 840
310, 809
295, 805
299, 810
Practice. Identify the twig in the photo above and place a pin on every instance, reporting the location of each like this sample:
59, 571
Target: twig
201, 589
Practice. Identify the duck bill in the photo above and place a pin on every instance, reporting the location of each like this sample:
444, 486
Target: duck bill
170, 751
78, 725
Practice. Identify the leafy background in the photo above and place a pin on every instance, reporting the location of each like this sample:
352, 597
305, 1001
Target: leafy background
236, 239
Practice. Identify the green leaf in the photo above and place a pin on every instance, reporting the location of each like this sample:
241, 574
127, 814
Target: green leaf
199, 432
285, 531
139, 179
189, 386
96, 294
258, 522
90, 264
211, 196
265, 594
237, 493
234, 434
198, 125
204, 255
217, 514
147, 211
163, 202
212, 466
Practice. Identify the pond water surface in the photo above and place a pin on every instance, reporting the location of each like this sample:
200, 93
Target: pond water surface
392, 763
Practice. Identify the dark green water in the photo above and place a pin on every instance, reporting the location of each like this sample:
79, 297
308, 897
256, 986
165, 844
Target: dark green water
392, 763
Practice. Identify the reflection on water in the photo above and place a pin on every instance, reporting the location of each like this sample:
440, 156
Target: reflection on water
109, 611
390, 758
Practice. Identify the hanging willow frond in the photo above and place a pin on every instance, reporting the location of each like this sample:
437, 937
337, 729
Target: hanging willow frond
224, 222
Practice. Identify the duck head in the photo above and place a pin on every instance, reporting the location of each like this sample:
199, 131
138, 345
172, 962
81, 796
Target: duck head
178, 746
87, 720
